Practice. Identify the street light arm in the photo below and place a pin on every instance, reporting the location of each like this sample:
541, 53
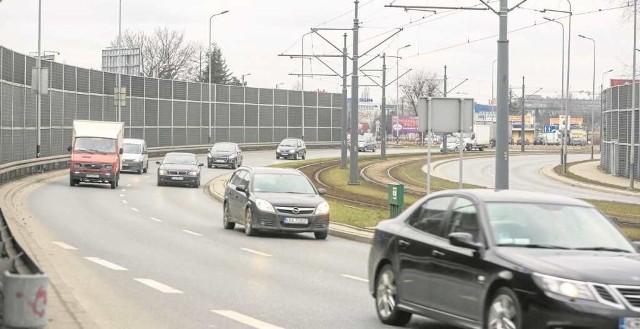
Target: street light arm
518, 5
452, 89
488, 6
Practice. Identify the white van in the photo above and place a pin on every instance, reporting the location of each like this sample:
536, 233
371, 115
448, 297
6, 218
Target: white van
135, 155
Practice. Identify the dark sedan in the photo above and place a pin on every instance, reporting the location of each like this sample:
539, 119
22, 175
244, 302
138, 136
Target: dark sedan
275, 199
505, 259
224, 154
179, 169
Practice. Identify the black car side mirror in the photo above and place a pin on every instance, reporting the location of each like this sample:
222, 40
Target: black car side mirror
200, 164
69, 148
322, 191
637, 245
121, 151
464, 240
158, 163
241, 188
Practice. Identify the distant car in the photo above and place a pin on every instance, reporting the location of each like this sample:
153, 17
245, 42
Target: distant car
292, 148
224, 154
178, 168
275, 199
453, 145
366, 143
519, 142
505, 259
135, 156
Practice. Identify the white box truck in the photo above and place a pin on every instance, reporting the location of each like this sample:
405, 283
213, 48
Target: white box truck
96, 152
480, 139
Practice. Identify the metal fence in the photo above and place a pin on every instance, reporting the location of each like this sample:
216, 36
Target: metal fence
163, 112
616, 131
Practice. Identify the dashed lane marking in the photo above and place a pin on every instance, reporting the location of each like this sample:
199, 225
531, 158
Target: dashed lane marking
157, 220
122, 195
135, 209
64, 245
124, 201
106, 263
245, 319
256, 252
353, 277
191, 232
158, 286
123, 190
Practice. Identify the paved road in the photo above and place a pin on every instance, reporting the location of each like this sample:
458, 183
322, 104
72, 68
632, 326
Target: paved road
524, 174
158, 257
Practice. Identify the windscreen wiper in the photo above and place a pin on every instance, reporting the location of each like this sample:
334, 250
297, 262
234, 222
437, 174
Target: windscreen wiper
532, 245
603, 249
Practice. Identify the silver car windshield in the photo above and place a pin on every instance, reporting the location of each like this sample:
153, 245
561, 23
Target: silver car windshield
180, 159
223, 147
555, 226
132, 148
282, 183
289, 142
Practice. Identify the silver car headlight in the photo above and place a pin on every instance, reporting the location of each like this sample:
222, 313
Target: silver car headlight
209, 155
264, 206
162, 172
193, 173
563, 287
233, 156
322, 209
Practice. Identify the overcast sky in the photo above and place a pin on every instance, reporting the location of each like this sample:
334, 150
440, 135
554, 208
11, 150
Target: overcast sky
254, 32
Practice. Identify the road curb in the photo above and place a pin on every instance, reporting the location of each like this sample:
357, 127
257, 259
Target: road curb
215, 187
549, 172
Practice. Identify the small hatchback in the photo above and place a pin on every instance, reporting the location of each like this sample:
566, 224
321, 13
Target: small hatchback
292, 148
135, 155
275, 199
224, 154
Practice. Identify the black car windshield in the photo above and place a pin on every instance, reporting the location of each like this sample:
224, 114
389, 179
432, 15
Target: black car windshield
282, 183
289, 142
223, 147
95, 144
132, 148
553, 226
180, 159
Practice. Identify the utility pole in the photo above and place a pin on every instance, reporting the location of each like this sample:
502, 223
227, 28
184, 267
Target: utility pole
567, 125
522, 139
502, 124
444, 135
343, 114
633, 99
353, 170
119, 82
39, 90
383, 117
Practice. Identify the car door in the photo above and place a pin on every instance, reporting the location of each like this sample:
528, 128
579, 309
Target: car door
422, 230
458, 274
233, 195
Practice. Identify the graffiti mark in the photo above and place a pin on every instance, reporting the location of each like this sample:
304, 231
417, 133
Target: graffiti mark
39, 303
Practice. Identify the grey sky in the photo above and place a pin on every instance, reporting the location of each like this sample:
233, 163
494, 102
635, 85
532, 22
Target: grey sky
254, 32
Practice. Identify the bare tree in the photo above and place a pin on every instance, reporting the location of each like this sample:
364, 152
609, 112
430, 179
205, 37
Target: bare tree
165, 53
420, 84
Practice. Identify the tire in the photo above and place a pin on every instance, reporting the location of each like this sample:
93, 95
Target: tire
139, 172
504, 311
146, 168
304, 155
277, 157
321, 235
387, 300
209, 165
159, 183
226, 223
234, 166
295, 156
248, 223
456, 149
114, 183
72, 182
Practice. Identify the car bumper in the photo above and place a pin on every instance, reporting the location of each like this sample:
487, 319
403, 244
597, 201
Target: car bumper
221, 162
285, 154
276, 222
132, 166
177, 180
93, 177
550, 313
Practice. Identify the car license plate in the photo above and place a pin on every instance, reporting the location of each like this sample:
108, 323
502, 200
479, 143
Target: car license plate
629, 323
177, 178
92, 176
219, 160
293, 220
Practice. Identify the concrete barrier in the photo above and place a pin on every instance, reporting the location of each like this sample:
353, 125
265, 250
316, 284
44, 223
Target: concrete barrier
25, 300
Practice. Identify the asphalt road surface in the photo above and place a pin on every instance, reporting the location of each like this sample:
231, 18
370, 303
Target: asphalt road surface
144, 256
524, 174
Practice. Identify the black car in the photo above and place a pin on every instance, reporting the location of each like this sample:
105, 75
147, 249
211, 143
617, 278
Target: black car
178, 168
292, 148
505, 259
224, 154
275, 199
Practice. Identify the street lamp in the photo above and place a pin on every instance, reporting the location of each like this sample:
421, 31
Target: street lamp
593, 92
245, 75
601, 103
210, 60
633, 98
279, 84
562, 101
398, 89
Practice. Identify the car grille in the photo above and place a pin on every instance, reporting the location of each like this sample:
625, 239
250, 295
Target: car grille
267, 222
321, 224
631, 294
295, 210
178, 172
604, 293
91, 165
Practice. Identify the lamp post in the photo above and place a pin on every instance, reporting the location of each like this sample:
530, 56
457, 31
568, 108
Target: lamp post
633, 98
562, 87
593, 92
302, 82
210, 60
566, 109
119, 82
245, 75
397, 91
602, 102
39, 91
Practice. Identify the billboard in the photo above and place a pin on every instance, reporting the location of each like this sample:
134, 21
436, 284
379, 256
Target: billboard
124, 61
620, 82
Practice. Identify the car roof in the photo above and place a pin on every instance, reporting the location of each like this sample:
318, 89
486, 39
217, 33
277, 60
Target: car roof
133, 141
179, 153
516, 196
270, 170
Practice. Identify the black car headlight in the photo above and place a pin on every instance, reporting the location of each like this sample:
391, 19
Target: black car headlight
264, 205
563, 287
322, 209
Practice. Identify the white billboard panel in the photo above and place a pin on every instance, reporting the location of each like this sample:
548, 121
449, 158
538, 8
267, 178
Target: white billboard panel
445, 114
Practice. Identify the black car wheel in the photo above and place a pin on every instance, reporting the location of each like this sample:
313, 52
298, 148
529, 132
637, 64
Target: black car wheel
320, 235
209, 165
72, 182
248, 223
226, 219
277, 157
504, 311
387, 299
159, 182
295, 156
304, 155
146, 168
114, 183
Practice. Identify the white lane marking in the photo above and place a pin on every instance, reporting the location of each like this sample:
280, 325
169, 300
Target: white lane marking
146, 177
124, 190
249, 321
124, 201
129, 185
106, 263
256, 252
64, 245
122, 195
157, 220
191, 232
353, 277
158, 286
135, 209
